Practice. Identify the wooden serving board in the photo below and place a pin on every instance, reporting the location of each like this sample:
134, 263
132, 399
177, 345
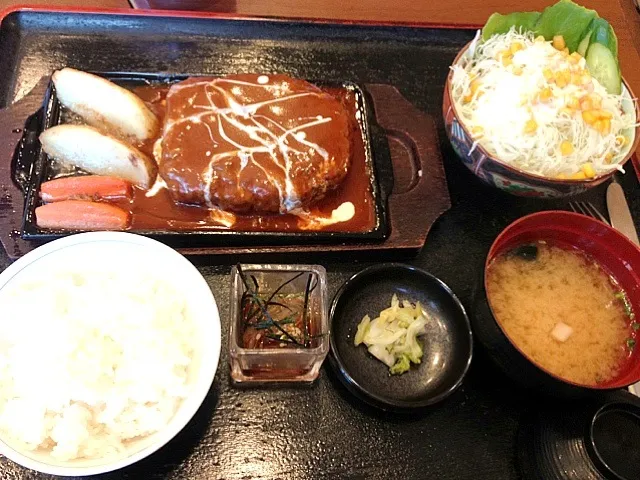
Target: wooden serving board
418, 198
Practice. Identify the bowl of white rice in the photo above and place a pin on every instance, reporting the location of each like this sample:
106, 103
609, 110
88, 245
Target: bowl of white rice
109, 343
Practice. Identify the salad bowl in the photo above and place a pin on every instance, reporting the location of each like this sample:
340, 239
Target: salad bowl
497, 173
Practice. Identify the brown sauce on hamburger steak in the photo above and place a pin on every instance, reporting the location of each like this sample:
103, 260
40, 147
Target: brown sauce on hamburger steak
253, 143
257, 151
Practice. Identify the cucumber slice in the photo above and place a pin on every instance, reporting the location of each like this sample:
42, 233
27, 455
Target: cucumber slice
604, 67
584, 44
604, 35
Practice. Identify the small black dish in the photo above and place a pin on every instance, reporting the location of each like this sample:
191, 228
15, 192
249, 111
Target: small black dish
592, 441
447, 344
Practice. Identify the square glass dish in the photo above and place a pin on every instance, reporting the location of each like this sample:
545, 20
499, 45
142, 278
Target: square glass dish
279, 323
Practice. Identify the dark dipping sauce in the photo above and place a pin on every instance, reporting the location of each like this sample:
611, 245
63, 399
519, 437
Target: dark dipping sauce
296, 328
161, 212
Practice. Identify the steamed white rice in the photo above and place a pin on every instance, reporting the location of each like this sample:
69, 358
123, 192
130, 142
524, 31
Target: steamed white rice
89, 361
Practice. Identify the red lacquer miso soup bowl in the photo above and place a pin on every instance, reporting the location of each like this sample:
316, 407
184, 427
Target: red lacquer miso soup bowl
607, 247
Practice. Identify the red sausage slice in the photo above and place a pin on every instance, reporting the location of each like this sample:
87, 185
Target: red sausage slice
85, 187
81, 215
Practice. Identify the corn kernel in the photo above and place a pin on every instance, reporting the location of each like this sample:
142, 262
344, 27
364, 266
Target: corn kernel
516, 47
608, 158
530, 126
621, 140
573, 103
602, 125
576, 78
473, 88
575, 57
477, 131
589, 117
558, 42
563, 77
507, 60
587, 169
539, 39
566, 148
598, 125
545, 94
605, 114
548, 74
578, 176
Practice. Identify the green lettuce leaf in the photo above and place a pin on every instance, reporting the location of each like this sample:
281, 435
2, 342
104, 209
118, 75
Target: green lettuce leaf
499, 23
565, 18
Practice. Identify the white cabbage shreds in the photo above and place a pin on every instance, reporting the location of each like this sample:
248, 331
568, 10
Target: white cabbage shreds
91, 360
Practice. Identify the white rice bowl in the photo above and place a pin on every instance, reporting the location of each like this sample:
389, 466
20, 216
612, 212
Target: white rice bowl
166, 353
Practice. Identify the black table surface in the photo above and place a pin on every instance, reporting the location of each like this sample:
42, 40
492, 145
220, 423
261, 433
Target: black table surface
321, 431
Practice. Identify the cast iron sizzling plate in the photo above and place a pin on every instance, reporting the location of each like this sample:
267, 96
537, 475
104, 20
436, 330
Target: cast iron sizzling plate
447, 343
36, 167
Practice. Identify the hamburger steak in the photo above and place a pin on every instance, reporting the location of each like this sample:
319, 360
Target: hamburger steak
253, 143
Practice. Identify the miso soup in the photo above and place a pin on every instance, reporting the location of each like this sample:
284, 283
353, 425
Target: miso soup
563, 311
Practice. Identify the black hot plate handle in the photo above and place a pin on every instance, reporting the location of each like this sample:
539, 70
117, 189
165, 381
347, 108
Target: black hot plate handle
20, 124
19, 127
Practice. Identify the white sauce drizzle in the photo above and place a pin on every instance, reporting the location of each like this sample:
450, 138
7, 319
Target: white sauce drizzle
309, 221
157, 150
159, 184
271, 138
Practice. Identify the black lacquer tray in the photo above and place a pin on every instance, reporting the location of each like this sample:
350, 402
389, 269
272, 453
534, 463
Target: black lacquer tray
321, 432
406, 176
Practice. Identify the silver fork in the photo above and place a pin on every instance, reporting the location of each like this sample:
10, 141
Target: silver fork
588, 209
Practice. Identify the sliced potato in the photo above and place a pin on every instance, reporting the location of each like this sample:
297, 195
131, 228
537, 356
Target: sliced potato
104, 104
91, 150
